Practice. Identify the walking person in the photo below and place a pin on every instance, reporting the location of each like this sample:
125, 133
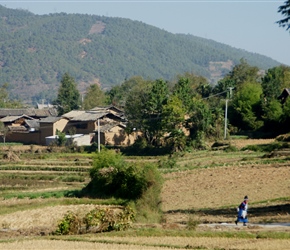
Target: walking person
243, 212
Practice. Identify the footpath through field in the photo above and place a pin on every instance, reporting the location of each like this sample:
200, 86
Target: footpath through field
249, 225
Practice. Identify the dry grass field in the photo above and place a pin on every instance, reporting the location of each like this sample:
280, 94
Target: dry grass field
205, 190
150, 243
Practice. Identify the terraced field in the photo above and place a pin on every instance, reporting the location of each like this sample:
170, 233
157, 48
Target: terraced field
38, 187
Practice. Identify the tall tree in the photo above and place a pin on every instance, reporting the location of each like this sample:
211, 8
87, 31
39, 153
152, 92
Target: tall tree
184, 92
135, 110
241, 73
223, 86
157, 97
285, 11
68, 97
118, 94
272, 113
200, 121
94, 97
144, 107
246, 104
173, 117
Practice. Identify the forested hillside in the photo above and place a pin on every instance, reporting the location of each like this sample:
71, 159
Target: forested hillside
36, 50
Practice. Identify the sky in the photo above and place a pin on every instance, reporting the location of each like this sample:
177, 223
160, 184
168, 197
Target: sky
245, 24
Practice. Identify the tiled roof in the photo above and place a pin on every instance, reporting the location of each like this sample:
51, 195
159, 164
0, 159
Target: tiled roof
89, 116
74, 113
106, 127
32, 123
29, 111
49, 119
18, 129
109, 108
12, 118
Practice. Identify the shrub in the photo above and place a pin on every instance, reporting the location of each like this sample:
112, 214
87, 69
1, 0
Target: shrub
105, 159
149, 205
111, 176
61, 139
105, 220
70, 224
97, 220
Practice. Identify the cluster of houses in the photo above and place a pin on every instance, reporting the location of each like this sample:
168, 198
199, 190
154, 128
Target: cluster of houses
39, 126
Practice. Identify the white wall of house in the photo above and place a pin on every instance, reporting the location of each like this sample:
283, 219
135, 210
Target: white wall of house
78, 139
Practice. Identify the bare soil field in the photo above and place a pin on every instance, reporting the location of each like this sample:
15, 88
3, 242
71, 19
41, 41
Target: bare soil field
242, 143
185, 193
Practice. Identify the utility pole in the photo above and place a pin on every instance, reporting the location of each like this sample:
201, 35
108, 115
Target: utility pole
226, 118
99, 139
226, 112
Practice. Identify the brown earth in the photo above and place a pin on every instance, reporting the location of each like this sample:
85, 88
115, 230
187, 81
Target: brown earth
186, 193
242, 143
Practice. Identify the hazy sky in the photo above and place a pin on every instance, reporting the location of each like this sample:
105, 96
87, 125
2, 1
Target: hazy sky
244, 24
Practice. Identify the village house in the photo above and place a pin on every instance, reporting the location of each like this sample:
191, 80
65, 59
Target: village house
106, 124
114, 134
48, 127
284, 95
21, 128
23, 124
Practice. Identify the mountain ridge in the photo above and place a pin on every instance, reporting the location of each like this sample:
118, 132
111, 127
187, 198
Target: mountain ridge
36, 50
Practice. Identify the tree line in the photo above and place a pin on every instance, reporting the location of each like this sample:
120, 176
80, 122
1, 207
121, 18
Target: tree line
187, 111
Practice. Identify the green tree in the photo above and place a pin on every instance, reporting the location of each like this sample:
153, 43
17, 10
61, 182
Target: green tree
183, 91
223, 86
143, 109
246, 105
94, 97
200, 121
157, 97
118, 94
135, 100
68, 97
173, 117
273, 111
243, 72
285, 11
240, 74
